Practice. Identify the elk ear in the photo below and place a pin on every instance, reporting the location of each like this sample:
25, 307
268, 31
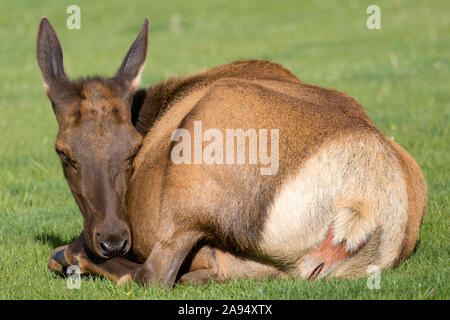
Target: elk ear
49, 55
131, 69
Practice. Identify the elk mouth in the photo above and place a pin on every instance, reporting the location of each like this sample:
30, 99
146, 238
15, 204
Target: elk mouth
95, 258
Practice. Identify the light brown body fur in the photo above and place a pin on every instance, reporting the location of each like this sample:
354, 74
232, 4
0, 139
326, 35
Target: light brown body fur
309, 117
344, 196
160, 186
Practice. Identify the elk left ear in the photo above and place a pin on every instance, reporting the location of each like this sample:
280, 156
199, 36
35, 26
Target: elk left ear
131, 69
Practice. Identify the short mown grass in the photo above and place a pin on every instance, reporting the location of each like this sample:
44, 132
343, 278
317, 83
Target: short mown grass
400, 74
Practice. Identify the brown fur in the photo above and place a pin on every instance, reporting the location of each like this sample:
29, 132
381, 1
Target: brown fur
317, 126
171, 209
417, 200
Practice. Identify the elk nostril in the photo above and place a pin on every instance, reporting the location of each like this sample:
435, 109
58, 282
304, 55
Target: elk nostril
104, 246
123, 246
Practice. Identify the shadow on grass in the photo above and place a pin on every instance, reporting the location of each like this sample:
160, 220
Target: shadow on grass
417, 246
52, 240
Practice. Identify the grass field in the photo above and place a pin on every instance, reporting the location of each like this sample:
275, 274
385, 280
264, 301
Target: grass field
400, 75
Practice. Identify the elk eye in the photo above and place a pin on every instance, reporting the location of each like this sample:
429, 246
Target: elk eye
64, 157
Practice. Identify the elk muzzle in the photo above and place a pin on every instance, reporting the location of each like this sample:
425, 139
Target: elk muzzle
111, 241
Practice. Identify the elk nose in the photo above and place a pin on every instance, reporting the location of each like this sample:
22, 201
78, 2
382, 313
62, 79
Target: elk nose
111, 248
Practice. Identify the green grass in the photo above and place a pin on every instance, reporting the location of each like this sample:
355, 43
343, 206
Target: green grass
400, 75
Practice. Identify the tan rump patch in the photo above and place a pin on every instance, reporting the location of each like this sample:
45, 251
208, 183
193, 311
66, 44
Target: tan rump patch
354, 183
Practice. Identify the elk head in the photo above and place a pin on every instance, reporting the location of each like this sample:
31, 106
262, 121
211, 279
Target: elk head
97, 141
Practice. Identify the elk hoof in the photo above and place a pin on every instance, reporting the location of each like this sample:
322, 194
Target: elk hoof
60, 257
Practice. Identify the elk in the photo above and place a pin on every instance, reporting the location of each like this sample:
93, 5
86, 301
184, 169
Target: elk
344, 196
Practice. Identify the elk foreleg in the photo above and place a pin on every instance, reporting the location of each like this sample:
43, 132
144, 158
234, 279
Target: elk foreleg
118, 269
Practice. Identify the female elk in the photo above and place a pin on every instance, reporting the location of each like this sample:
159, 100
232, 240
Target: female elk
343, 196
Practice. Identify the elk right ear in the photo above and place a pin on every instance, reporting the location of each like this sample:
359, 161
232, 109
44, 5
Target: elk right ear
49, 55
